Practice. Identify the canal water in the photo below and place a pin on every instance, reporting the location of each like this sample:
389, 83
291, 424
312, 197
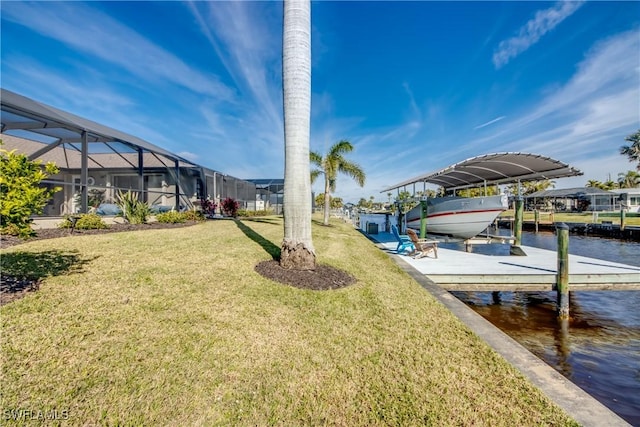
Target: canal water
600, 350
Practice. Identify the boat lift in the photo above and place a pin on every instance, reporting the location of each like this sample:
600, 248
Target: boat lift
486, 170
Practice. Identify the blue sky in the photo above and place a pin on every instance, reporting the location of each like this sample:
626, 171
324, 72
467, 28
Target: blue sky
415, 86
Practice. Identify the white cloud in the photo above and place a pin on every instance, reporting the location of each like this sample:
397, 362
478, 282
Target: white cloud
529, 34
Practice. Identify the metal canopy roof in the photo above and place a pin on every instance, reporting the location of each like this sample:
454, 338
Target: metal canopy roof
497, 168
25, 117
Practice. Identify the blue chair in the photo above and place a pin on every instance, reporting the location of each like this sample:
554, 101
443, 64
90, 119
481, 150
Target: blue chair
404, 241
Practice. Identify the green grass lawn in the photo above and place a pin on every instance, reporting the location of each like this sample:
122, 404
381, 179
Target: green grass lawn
174, 327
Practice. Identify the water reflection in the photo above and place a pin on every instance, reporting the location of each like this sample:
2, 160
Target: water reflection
598, 347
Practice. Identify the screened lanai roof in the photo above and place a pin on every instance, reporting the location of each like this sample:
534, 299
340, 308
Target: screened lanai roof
60, 133
496, 168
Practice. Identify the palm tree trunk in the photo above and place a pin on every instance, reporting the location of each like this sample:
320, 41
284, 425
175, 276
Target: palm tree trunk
327, 200
297, 250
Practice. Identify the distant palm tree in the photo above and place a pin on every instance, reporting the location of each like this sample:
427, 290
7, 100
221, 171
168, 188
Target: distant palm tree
632, 151
631, 179
530, 187
330, 165
594, 183
297, 250
609, 184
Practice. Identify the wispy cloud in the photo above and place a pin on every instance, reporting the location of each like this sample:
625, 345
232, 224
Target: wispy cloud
90, 31
529, 34
588, 116
490, 122
243, 37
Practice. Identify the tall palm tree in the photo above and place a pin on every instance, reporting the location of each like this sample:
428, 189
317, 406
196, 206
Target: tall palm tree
330, 165
632, 151
297, 250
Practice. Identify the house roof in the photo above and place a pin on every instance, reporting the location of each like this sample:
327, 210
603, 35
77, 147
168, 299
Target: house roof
496, 168
571, 193
70, 158
25, 117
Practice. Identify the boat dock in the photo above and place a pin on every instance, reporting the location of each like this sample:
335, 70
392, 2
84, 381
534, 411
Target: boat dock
457, 270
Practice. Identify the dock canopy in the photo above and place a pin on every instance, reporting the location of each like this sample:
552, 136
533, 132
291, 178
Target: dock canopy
497, 168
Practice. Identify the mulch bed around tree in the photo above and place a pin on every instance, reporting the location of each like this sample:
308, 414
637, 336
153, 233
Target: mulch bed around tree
323, 277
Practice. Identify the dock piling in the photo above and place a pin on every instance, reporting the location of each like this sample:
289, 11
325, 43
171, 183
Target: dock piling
423, 219
517, 228
562, 274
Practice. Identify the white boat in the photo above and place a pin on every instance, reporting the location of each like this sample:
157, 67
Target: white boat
460, 217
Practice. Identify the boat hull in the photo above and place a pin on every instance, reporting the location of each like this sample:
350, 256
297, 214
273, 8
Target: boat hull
460, 217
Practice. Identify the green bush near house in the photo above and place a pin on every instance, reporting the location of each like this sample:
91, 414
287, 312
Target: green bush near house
248, 214
171, 217
85, 222
22, 195
193, 216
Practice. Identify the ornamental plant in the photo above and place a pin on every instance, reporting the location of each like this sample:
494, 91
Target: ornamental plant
208, 206
20, 193
230, 207
134, 211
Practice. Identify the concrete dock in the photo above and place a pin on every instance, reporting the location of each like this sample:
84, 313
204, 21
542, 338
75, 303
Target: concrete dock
460, 269
457, 270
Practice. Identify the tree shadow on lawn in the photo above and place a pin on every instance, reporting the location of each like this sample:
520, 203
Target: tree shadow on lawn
22, 272
321, 223
267, 245
324, 277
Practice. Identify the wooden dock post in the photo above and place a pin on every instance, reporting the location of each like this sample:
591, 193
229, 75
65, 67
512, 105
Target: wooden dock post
623, 214
517, 225
562, 274
517, 228
536, 215
423, 219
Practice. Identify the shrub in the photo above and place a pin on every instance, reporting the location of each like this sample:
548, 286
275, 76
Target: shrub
246, 213
21, 195
208, 206
193, 216
134, 210
230, 207
85, 222
171, 217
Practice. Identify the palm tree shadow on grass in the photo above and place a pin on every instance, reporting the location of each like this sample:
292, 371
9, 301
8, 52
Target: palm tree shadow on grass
320, 223
23, 271
324, 277
267, 245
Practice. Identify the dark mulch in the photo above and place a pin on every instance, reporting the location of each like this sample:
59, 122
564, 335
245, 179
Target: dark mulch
322, 278
13, 288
